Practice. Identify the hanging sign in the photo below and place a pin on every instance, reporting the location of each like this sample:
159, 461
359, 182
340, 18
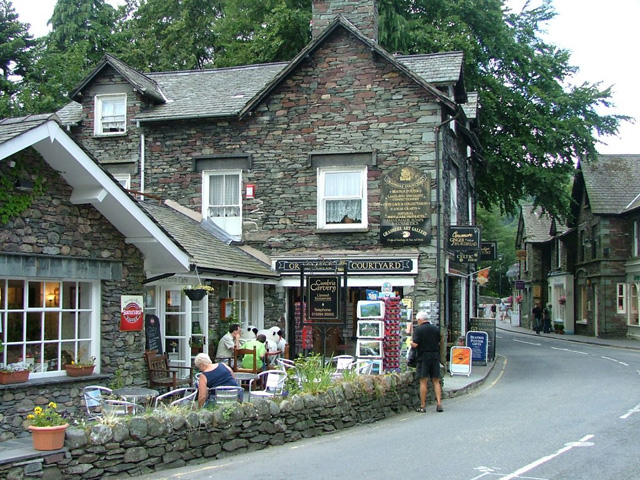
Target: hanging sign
323, 294
464, 238
489, 251
460, 361
131, 313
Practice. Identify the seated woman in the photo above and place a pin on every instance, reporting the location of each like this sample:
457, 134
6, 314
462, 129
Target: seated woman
213, 375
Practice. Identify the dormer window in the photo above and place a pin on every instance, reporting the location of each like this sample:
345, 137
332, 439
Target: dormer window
110, 114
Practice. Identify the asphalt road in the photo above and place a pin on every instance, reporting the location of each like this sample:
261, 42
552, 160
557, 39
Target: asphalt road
549, 410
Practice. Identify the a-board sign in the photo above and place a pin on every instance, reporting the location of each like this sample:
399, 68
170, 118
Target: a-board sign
486, 325
152, 331
460, 361
479, 344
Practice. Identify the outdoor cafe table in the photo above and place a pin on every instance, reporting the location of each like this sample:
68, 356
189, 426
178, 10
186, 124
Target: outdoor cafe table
243, 378
137, 395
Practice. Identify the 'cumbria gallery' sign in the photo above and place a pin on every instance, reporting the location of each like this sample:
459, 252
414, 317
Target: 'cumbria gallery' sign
405, 207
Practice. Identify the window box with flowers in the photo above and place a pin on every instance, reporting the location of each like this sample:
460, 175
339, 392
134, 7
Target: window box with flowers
14, 372
47, 427
562, 300
79, 367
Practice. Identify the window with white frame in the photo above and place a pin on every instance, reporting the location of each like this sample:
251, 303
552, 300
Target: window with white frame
249, 298
558, 252
621, 296
342, 197
222, 200
123, 179
48, 324
453, 195
636, 238
110, 114
633, 304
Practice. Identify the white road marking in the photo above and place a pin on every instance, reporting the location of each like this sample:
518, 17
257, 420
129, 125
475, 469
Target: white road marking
580, 443
614, 360
528, 343
635, 409
570, 351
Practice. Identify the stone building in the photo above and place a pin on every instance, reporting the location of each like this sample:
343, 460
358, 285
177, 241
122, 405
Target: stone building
346, 161
588, 271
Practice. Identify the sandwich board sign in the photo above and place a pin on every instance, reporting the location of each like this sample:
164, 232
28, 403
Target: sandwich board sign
460, 361
479, 344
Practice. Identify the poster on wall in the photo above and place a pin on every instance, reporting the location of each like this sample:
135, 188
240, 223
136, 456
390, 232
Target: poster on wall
131, 318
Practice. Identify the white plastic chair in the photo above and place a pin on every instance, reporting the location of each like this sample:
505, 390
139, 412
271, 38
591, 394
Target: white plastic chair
272, 381
363, 367
182, 396
226, 394
93, 400
285, 364
343, 363
121, 407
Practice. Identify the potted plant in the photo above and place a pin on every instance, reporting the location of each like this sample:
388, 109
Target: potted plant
197, 292
47, 427
562, 300
196, 345
14, 372
79, 368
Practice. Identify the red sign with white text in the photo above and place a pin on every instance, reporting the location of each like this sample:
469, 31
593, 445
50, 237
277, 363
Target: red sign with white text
131, 313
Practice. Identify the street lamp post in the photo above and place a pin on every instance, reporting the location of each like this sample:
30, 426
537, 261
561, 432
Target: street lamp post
501, 259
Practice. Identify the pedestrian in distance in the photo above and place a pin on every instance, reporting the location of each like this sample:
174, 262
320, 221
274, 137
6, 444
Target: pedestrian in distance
537, 318
426, 339
547, 319
494, 309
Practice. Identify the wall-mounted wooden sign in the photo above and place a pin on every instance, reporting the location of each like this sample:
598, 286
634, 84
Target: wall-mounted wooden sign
489, 251
464, 238
405, 207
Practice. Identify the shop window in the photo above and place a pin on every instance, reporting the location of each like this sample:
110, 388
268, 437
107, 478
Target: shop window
342, 197
222, 202
633, 304
47, 323
110, 114
621, 289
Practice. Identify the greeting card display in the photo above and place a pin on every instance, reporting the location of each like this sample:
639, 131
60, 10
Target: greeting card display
370, 309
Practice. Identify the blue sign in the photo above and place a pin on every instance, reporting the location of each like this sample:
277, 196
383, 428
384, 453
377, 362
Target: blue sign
479, 344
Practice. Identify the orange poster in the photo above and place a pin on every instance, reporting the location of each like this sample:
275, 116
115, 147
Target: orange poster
460, 361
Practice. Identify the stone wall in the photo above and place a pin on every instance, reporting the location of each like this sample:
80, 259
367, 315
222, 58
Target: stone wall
152, 443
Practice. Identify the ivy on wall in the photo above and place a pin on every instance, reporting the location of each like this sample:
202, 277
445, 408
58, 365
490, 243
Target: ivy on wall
12, 202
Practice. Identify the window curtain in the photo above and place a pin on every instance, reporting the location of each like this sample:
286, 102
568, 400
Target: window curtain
341, 185
113, 113
224, 195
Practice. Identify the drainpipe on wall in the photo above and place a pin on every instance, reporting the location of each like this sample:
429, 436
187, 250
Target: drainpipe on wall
142, 166
443, 312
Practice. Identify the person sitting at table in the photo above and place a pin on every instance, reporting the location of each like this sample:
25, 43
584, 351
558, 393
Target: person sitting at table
229, 341
213, 375
261, 350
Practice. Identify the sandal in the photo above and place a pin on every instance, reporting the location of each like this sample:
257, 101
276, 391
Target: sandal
421, 410
439, 408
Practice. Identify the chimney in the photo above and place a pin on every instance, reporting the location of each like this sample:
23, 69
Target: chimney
362, 13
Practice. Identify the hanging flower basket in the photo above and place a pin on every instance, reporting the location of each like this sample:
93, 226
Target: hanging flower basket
195, 294
19, 376
562, 300
79, 370
48, 438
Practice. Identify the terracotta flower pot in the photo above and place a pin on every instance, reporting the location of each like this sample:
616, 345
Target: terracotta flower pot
79, 371
48, 438
20, 376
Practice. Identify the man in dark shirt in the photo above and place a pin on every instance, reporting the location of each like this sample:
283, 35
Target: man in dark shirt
537, 318
426, 339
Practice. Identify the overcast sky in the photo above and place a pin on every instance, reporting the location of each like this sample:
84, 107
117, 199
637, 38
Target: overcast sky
600, 35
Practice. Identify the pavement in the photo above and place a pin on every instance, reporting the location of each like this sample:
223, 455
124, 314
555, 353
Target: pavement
21, 449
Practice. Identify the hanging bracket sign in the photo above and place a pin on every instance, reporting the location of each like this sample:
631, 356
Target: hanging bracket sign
323, 293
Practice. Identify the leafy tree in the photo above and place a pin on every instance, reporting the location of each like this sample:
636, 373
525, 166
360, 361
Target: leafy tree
15, 56
533, 124
259, 32
89, 22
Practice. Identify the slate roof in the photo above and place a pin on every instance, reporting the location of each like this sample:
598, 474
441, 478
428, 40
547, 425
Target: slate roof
436, 68
471, 107
12, 127
141, 82
221, 92
229, 92
612, 182
208, 251
537, 225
